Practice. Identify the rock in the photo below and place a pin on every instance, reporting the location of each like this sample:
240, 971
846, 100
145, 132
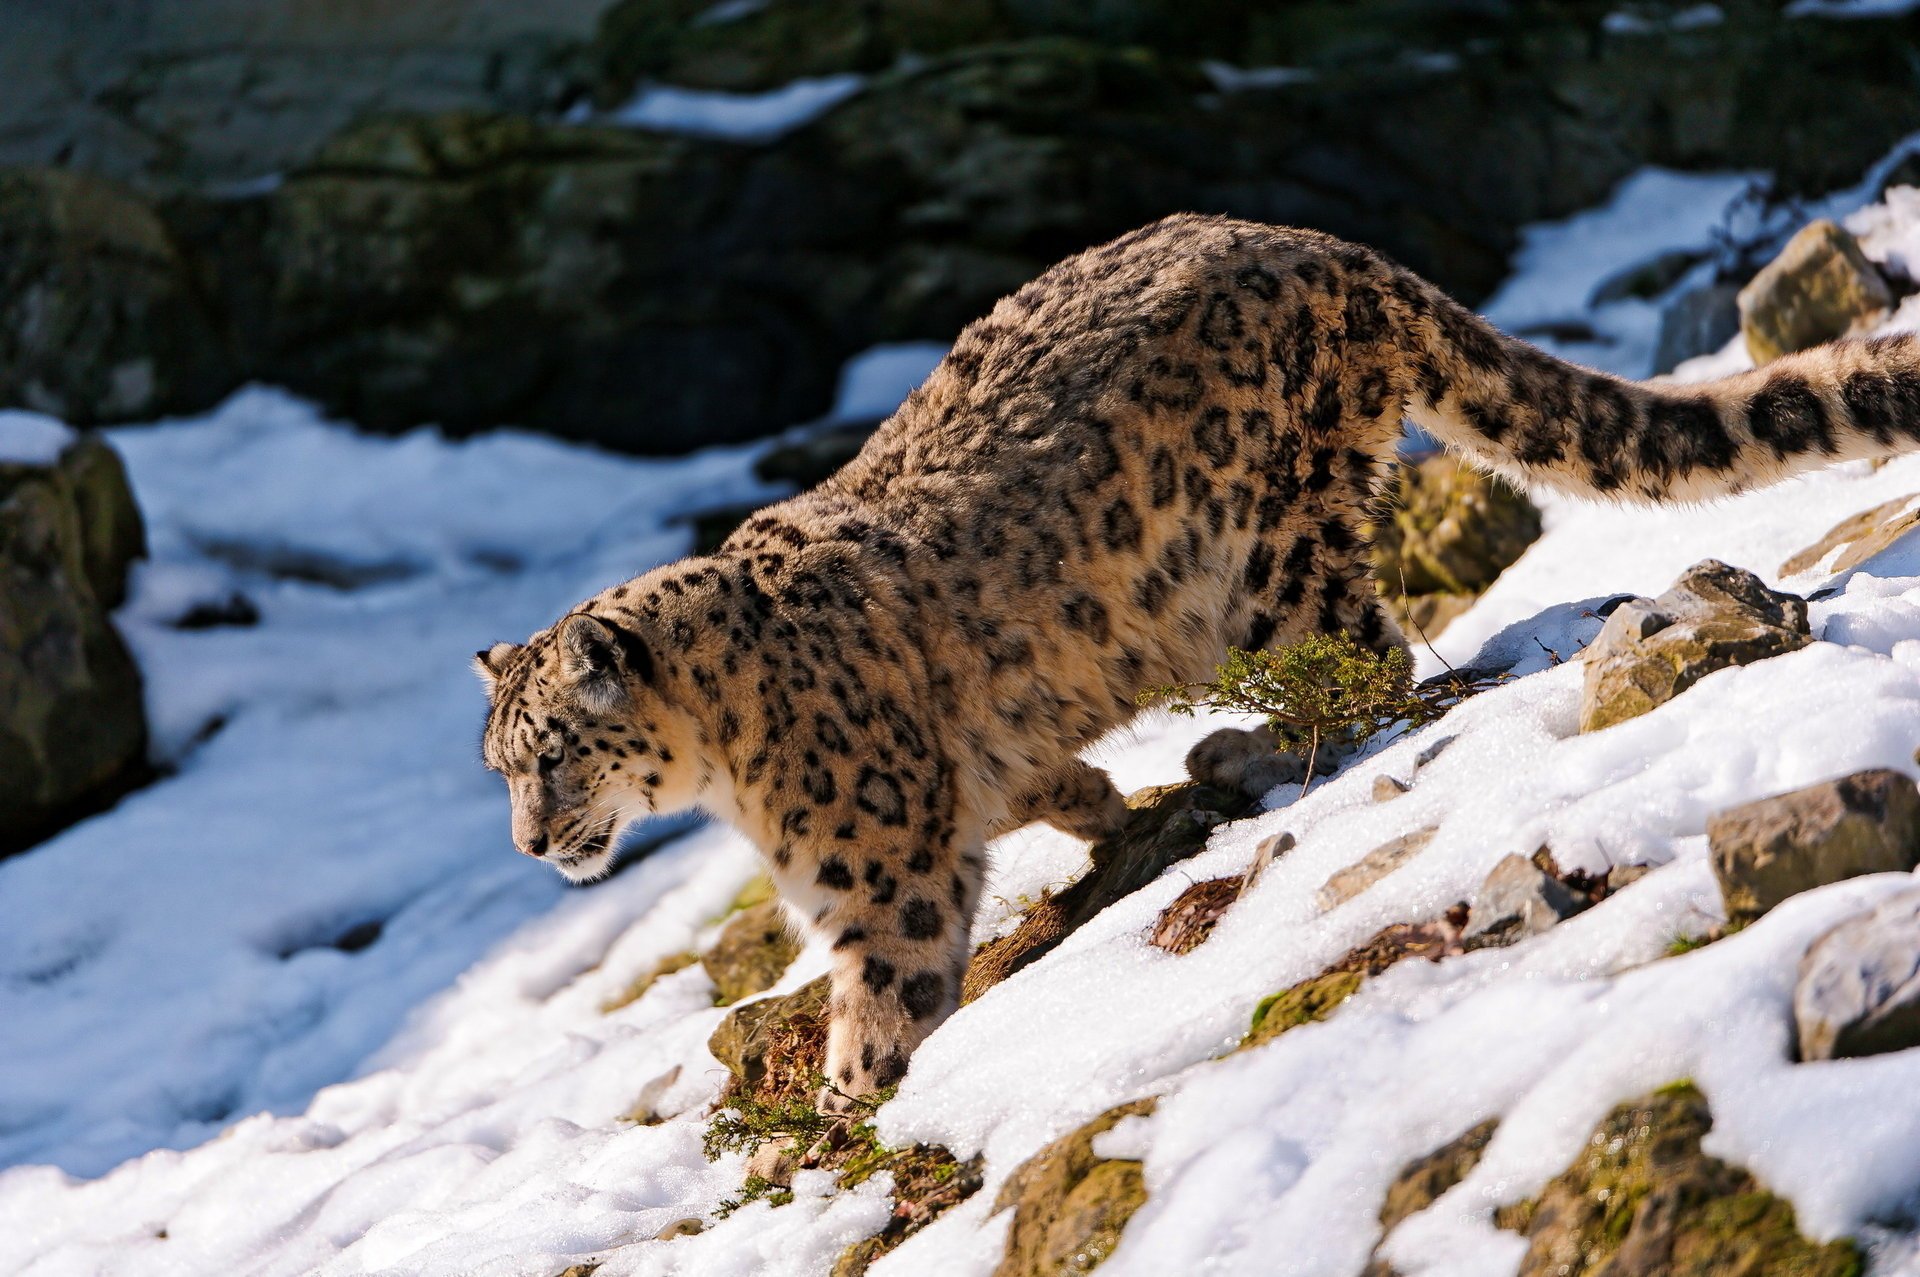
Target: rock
1251, 762
73, 732
1304, 1003
754, 950
1649, 652
1859, 986
101, 318
688, 1227
1647, 279
1517, 889
774, 1046
1372, 867
1453, 530
1069, 1205
645, 1110
1421, 1182
775, 1161
1433, 751
1620, 877
1387, 788
1168, 824
1766, 851
1642, 1200
1858, 537
1697, 322
1821, 286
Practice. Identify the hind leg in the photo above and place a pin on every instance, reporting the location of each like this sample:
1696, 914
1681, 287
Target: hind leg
1077, 799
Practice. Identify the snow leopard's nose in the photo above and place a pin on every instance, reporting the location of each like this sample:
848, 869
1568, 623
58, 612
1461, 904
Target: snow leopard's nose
536, 845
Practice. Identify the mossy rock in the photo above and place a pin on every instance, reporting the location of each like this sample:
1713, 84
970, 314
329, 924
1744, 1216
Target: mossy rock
775, 1047
1070, 1206
1644, 1201
73, 729
1453, 529
1303, 1003
754, 950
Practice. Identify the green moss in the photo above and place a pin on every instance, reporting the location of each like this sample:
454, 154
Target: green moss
1643, 1189
1303, 1003
665, 967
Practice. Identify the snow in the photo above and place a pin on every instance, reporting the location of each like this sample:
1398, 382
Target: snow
32, 439
176, 1096
1228, 78
736, 117
877, 380
1851, 8
1689, 19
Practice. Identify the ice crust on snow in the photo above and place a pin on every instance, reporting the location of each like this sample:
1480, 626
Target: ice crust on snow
447, 1098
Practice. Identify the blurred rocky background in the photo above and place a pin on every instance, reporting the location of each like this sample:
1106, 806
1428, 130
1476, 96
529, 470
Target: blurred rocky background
660, 224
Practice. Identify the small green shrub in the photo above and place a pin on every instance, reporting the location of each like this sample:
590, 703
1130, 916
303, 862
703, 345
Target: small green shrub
1324, 689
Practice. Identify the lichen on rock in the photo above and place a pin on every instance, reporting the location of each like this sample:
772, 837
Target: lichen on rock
1643, 1200
1070, 1205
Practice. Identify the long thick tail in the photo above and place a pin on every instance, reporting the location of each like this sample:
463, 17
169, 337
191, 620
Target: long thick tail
1539, 419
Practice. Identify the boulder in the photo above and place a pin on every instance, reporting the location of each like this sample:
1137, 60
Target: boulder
101, 318
1766, 851
1453, 529
1421, 1182
1650, 651
1642, 1200
1069, 1205
754, 950
1821, 286
73, 730
1859, 986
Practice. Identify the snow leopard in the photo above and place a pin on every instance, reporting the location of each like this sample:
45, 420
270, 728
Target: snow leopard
1158, 449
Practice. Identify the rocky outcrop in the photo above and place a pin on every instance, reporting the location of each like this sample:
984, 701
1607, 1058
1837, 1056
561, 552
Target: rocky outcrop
1345, 884
1644, 1201
72, 726
1453, 529
775, 1047
1069, 1204
1821, 286
1859, 986
1765, 851
1713, 618
422, 239
101, 318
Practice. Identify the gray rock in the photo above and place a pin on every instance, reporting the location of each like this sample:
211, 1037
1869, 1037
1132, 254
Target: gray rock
1765, 851
1387, 788
1859, 986
1858, 537
1698, 322
72, 726
1650, 651
1372, 867
1518, 889
1821, 286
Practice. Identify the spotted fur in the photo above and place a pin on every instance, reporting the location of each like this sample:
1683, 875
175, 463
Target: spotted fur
1159, 448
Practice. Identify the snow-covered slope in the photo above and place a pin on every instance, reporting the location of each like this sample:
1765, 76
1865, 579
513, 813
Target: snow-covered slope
211, 1063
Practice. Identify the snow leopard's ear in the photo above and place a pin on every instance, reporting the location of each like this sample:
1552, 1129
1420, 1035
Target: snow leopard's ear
595, 653
489, 664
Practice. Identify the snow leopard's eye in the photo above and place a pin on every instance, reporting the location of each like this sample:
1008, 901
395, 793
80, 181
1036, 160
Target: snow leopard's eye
550, 760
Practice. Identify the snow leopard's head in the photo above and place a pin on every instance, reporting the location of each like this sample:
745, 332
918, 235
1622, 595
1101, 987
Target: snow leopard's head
585, 739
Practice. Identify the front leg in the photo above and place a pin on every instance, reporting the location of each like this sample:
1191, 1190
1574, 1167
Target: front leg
899, 916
